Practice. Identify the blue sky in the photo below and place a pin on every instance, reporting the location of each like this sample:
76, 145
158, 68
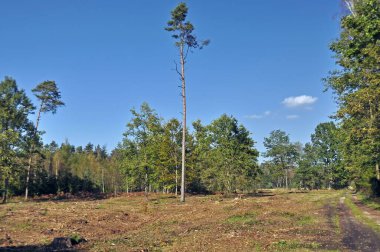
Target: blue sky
110, 56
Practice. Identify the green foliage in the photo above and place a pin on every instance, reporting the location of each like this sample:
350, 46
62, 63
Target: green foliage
76, 239
228, 151
321, 165
357, 91
310, 172
141, 147
325, 141
282, 153
183, 30
220, 156
49, 96
15, 126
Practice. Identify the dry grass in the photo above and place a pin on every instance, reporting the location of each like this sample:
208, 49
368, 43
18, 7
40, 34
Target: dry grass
274, 221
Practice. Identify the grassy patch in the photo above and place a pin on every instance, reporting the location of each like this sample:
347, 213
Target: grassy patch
336, 222
287, 245
23, 226
100, 206
287, 214
245, 219
373, 203
44, 212
360, 215
305, 220
300, 219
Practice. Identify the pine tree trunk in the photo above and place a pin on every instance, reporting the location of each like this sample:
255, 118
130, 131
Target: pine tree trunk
31, 155
183, 122
176, 181
28, 177
377, 171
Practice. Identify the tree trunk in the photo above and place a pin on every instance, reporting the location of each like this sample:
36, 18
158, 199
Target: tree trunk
28, 177
372, 120
5, 193
103, 189
350, 6
183, 122
114, 185
56, 175
176, 181
31, 154
286, 178
146, 184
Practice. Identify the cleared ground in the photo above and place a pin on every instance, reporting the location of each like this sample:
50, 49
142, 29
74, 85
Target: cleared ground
268, 221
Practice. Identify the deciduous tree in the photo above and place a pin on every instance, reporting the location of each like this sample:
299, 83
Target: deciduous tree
282, 152
356, 86
15, 107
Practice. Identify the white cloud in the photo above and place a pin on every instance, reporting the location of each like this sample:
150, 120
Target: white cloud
297, 101
292, 117
254, 116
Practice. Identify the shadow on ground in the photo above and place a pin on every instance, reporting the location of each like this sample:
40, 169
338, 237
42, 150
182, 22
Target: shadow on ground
41, 248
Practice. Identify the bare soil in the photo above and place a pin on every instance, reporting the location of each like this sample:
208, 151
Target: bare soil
269, 221
357, 236
368, 211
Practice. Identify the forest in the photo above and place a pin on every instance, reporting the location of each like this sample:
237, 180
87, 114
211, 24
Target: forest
220, 156
174, 184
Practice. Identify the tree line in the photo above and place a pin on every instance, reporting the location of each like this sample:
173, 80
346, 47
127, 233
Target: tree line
220, 156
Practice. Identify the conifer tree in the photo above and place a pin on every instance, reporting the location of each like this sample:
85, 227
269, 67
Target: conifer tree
50, 99
185, 41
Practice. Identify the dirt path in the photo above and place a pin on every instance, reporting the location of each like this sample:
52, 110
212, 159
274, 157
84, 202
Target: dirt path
356, 236
368, 212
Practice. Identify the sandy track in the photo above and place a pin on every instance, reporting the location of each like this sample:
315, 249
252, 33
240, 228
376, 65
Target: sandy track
356, 236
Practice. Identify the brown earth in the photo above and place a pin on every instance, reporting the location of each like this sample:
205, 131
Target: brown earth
268, 221
368, 211
357, 236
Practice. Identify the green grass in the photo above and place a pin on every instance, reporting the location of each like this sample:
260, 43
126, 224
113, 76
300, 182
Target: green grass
373, 203
359, 215
287, 214
247, 219
300, 219
100, 206
336, 221
305, 220
44, 212
284, 245
24, 226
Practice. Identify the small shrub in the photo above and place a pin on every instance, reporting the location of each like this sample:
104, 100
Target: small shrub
76, 239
